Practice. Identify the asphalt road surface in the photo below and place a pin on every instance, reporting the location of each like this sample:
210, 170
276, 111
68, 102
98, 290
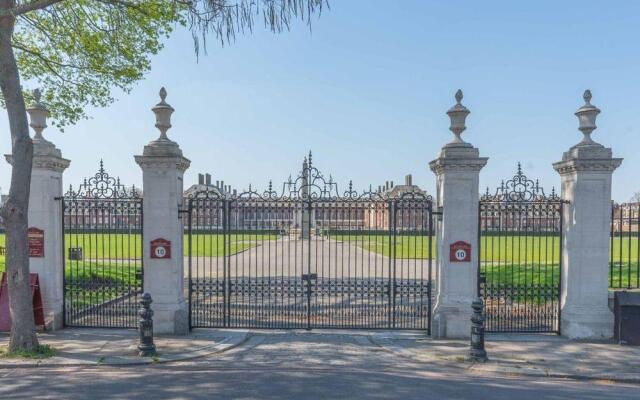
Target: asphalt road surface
295, 365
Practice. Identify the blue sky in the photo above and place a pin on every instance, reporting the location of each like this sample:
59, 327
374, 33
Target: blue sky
368, 89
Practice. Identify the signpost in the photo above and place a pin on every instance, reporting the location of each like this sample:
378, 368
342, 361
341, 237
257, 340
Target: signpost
460, 252
35, 239
160, 248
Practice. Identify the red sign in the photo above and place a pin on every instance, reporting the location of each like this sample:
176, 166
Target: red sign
38, 312
35, 238
460, 252
160, 248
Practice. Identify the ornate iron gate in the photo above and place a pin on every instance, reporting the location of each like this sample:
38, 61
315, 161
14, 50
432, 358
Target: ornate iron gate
102, 253
310, 257
520, 257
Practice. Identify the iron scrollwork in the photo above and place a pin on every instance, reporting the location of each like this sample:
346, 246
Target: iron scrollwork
520, 189
102, 186
308, 186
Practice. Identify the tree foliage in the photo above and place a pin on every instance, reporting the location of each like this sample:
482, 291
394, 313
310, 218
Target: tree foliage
78, 51
227, 18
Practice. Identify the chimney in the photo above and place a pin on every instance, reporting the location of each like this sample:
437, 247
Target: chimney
207, 178
407, 180
221, 185
217, 184
386, 185
391, 184
200, 179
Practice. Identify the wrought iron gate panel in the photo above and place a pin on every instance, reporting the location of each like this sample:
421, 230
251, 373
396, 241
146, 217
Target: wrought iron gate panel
520, 245
310, 257
624, 252
413, 261
102, 253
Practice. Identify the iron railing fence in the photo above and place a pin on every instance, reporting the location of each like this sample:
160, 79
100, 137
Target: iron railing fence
624, 252
519, 262
102, 253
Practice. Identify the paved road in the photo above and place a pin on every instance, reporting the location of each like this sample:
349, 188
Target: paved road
295, 365
329, 258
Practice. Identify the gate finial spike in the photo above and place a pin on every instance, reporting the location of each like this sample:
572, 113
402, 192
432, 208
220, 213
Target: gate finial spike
519, 169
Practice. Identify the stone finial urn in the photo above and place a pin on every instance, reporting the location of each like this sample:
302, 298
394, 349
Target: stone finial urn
163, 146
587, 115
38, 114
458, 115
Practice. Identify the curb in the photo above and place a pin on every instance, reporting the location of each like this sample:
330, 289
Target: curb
218, 348
477, 367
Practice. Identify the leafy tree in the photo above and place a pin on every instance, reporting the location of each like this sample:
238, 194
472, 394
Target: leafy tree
76, 52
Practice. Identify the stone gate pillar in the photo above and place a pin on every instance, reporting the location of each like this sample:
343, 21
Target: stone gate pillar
45, 215
457, 170
163, 166
585, 174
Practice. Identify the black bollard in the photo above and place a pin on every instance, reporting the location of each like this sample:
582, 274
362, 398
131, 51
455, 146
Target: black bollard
477, 352
146, 346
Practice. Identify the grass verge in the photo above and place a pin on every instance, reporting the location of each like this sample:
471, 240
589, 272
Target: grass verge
41, 352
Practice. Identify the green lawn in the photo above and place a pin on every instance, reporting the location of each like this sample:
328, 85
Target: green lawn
508, 259
406, 246
127, 246
89, 283
528, 255
624, 263
100, 248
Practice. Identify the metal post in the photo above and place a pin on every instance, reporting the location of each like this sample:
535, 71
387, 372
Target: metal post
477, 351
146, 346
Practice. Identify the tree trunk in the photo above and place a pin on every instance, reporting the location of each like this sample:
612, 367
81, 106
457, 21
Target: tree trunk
15, 210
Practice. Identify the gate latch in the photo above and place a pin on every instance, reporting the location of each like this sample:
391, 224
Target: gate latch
309, 277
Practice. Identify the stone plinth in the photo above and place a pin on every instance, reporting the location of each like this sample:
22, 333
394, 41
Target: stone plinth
45, 213
585, 174
163, 167
457, 170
